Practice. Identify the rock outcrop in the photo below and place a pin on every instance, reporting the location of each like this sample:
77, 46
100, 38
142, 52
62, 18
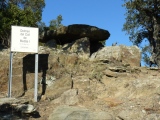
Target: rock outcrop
81, 113
71, 33
127, 55
81, 47
75, 82
67, 34
71, 86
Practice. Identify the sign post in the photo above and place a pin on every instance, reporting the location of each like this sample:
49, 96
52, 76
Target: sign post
10, 75
36, 78
24, 39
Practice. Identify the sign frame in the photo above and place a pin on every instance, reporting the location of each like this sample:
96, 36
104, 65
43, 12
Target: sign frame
24, 39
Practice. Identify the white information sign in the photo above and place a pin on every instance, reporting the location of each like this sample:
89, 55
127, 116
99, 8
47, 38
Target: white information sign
24, 39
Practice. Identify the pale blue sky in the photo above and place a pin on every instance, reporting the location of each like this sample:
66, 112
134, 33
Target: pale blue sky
105, 14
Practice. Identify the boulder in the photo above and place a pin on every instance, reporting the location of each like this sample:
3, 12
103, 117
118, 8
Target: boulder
73, 113
25, 108
69, 97
51, 43
67, 34
81, 47
126, 54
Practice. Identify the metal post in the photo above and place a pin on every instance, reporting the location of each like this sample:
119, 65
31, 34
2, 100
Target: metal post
36, 78
10, 75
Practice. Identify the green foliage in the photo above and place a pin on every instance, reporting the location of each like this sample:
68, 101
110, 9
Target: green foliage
56, 23
20, 13
146, 53
41, 44
138, 20
143, 22
41, 26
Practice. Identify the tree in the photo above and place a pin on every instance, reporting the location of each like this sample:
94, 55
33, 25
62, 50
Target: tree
146, 53
46, 32
143, 23
41, 26
56, 23
18, 12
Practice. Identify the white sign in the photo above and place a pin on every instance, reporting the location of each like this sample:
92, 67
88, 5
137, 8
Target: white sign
24, 39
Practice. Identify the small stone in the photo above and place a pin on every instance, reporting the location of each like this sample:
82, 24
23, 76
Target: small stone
25, 108
143, 111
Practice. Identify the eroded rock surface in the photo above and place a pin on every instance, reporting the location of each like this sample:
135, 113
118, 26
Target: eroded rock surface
130, 55
76, 82
68, 77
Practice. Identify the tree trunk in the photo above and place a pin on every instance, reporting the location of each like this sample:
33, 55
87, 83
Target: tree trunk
156, 37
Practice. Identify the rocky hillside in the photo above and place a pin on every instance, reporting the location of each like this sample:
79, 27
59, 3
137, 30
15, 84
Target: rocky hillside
76, 84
